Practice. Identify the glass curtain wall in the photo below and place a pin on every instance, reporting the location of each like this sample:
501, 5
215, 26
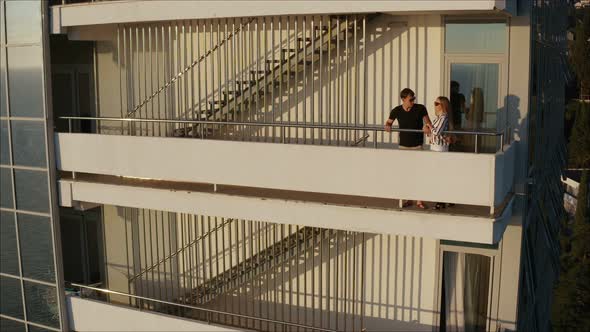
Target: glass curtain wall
32, 295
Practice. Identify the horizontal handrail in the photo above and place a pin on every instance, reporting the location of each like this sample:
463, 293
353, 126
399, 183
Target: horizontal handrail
279, 124
208, 311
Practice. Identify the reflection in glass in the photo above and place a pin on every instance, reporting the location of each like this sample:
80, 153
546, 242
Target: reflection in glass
8, 250
4, 150
9, 325
474, 94
36, 247
6, 188
28, 143
41, 301
475, 37
31, 190
33, 328
25, 69
23, 21
11, 303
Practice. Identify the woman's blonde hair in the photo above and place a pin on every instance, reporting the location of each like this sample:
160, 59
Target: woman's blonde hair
445, 104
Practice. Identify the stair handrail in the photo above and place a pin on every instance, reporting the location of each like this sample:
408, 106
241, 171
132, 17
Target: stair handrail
187, 68
163, 260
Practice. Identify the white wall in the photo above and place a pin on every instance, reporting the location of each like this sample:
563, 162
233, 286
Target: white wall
90, 315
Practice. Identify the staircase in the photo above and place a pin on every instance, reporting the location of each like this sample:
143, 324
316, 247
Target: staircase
245, 271
239, 94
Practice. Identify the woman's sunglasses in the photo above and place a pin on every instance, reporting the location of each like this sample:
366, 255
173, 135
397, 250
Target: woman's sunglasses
436, 103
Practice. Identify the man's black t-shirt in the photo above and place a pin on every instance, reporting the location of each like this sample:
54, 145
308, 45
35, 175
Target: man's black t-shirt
411, 119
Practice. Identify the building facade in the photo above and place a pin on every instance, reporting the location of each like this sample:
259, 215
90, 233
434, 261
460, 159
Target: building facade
222, 165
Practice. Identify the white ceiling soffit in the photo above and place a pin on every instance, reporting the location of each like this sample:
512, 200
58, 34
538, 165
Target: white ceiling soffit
109, 12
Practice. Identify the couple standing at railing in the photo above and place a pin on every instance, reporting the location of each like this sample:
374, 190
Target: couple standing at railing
411, 115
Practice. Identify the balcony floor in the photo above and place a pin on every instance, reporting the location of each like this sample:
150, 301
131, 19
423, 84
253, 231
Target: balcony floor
298, 196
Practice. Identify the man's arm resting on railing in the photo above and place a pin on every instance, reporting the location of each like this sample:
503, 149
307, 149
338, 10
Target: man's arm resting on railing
388, 124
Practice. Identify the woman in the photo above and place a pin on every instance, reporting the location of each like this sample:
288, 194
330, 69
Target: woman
438, 141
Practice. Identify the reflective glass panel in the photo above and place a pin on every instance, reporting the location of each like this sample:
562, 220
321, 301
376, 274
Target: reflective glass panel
9, 325
28, 143
8, 250
3, 100
25, 77
31, 190
36, 247
11, 303
474, 94
33, 328
6, 188
475, 37
4, 151
23, 21
41, 301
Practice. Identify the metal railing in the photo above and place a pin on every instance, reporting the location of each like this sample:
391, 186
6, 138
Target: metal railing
205, 125
209, 319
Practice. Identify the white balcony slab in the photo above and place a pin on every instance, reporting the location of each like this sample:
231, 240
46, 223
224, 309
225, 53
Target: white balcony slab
90, 315
463, 178
112, 12
485, 229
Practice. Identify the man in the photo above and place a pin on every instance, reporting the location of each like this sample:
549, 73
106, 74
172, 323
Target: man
410, 115
457, 105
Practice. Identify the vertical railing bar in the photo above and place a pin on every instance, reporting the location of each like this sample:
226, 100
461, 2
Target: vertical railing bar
192, 81
211, 94
305, 261
170, 73
296, 89
304, 30
225, 76
346, 81
242, 76
272, 88
345, 271
297, 260
282, 53
329, 88
258, 269
289, 262
256, 76
311, 105
244, 270
356, 81
145, 76
268, 66
158, 256
151, 253
251, 238
217, 273
321, 278
210, 237
120, 73
205, 80
170, 214
190, 232
250, 58
354, 279
137, 52
185, 82
199, 96
365, 76
156, 50
127, 253
313, 272
219, 100
288, 138
363, 281
235, 85
336, 272
165, 287
321, 87
151, 52
338, 94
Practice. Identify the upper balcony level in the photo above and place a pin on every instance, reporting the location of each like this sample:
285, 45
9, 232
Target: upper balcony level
70, 14
280, 119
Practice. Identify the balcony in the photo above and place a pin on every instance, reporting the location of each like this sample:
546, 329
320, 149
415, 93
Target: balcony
305, 184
